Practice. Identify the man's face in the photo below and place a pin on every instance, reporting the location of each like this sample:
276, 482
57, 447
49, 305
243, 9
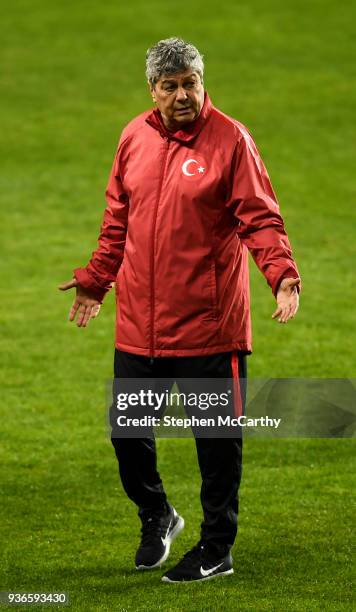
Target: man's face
179, 97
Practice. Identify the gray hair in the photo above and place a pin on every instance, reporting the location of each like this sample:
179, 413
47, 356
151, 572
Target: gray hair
172, 55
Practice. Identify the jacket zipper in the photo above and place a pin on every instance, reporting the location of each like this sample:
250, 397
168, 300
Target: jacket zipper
163, 166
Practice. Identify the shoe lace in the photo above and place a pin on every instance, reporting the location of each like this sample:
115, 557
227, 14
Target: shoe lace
152, 528
198, 554
195, 553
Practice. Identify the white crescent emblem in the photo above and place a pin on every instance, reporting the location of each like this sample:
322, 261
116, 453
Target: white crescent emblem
185, 167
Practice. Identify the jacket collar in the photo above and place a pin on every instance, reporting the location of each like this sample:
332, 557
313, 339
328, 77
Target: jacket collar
190, 131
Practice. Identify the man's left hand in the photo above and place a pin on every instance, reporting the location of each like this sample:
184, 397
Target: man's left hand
287, 300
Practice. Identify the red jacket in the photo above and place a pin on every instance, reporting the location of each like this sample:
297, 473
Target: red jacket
183, 210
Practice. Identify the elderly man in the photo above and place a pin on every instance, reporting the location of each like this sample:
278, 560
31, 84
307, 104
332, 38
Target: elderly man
187, 198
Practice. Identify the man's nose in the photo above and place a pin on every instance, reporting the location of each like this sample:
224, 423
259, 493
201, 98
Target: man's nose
181, 94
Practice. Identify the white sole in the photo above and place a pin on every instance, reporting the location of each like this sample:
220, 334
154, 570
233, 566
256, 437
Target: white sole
227, 573
177, 529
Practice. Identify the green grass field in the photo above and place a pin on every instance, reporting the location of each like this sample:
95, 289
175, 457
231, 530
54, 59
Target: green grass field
72, 75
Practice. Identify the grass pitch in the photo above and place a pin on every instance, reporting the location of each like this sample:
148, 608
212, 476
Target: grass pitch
72, 76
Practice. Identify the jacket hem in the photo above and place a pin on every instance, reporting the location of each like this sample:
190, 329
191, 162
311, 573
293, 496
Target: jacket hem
182, 352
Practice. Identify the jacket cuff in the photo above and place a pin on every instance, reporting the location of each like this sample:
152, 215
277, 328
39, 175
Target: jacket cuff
87, 282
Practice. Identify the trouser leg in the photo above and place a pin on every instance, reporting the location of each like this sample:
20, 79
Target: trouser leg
220, 459
137, 456
220, 462
138, 471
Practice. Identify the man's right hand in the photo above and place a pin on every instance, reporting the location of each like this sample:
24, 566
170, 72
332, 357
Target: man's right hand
84, 305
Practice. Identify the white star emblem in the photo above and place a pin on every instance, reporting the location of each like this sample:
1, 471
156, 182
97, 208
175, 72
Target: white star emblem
201, 169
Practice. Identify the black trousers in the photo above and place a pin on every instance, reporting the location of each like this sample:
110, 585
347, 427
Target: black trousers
220, 459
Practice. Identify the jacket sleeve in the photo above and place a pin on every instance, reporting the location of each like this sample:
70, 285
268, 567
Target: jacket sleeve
99, 274
259, 223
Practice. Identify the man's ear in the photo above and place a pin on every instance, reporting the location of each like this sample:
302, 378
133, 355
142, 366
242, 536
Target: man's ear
152, 92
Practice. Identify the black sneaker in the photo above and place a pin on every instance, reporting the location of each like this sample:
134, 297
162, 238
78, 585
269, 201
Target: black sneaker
158, 533
199, 564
